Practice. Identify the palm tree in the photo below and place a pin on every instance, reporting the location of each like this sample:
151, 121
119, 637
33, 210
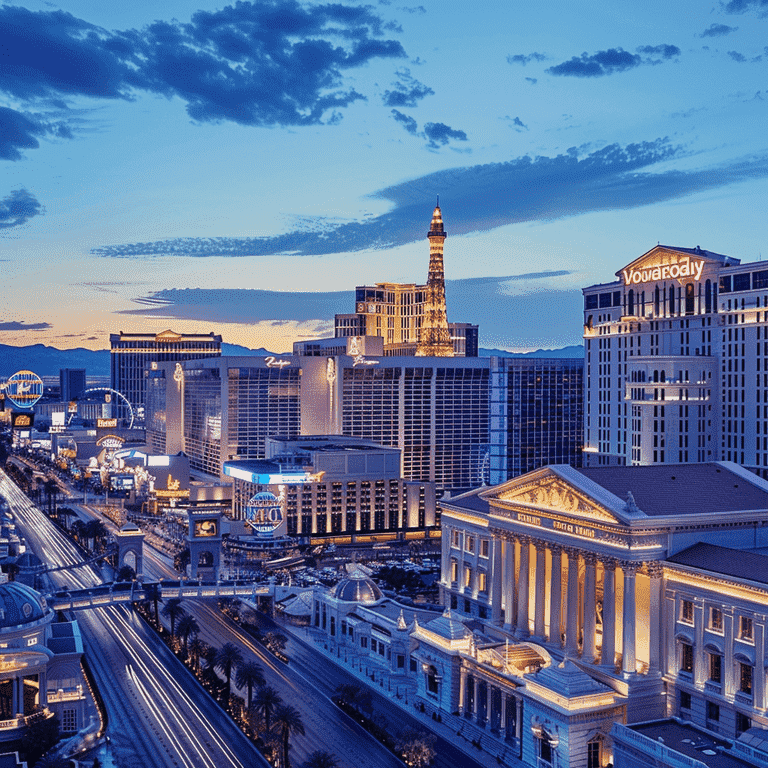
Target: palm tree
95, 530
51, 488
187, 626
249, 675
172, 610
197, 649
266, 700
229, 657
153, 592
287, 721
320, 759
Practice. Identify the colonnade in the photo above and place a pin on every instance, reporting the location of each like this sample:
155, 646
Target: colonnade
487, 704
572, 620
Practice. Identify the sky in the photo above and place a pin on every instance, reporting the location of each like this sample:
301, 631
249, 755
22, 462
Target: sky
240, 168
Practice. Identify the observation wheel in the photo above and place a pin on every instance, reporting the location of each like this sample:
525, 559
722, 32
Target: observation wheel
108, 390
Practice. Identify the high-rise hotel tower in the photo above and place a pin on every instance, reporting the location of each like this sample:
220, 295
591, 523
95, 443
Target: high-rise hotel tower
676, 361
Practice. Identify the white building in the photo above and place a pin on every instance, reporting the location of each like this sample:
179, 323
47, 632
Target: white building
676, 353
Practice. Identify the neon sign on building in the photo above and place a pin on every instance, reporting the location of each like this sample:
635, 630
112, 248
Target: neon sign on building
684, 267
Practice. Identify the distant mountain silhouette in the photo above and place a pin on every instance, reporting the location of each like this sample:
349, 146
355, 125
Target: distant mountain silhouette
47, 361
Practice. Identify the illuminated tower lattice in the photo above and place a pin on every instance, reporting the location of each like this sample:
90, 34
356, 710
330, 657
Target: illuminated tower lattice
434, 338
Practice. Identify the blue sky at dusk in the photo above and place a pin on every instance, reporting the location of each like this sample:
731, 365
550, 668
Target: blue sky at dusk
204, 166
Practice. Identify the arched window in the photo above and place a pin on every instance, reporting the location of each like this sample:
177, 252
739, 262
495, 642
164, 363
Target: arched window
631, 302
671, 299
689, 299
656, 375
433, 681
708, 296
657, 301
662, 376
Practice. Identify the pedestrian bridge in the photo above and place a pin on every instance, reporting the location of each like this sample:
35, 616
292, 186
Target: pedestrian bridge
122, 593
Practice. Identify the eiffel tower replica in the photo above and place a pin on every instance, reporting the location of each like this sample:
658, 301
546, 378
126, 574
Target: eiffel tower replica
434, 336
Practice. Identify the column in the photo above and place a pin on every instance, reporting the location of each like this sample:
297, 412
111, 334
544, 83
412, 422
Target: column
496, 596
462, 690
476, 699
608, 656
758, 679
541, 586
509, 583
590, 608
519, 720
488, 704
555, 595
522, 588
629, 664
445, 555
503, 717
572, 604
655, 574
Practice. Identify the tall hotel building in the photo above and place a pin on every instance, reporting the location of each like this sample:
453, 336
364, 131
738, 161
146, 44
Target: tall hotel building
133, 353
676, 356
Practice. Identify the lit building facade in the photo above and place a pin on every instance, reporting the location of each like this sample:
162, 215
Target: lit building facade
335, 488
676, 355
537, 414
133, 353
581, 598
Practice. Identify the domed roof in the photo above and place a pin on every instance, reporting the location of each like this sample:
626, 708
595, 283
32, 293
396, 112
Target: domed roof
358, 587
448, 626
263, 497
20, 604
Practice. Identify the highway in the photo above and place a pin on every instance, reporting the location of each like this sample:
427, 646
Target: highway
159, 717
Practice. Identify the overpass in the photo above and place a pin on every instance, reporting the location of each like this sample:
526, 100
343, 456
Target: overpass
122, 593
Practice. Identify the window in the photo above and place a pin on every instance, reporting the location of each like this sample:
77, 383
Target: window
745, 628
745, 678
545, 748
413, 665
400, 661
716, 620
715, 667
467, 576
713, 712
743, 723
686, 612
454, 570
469, 543
593, 754
363, 642
482, 581
485, 548
68, 720
456, 539
685, 700
686, 658
432, 682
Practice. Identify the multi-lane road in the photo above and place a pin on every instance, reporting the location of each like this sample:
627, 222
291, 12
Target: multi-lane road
159, 717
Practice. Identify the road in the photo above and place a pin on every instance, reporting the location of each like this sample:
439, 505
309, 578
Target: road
159, 717
307, 682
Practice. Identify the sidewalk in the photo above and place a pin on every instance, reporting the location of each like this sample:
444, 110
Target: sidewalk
472, 740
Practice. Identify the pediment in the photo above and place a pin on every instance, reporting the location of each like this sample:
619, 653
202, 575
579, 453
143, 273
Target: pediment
546, 490
168, 335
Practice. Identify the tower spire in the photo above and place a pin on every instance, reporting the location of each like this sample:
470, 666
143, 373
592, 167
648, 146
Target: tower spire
434, 337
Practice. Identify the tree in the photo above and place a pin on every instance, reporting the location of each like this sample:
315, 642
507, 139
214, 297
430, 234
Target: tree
287, 722
229, 657
172, 610
197, 649
181, 560
188, 626
153, 593
126, 573
249, 675
266, 700
348, 694
417, 748
51, 489
96, 532
320, 759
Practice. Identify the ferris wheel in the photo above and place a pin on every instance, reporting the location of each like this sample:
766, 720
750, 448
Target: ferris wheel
108, 390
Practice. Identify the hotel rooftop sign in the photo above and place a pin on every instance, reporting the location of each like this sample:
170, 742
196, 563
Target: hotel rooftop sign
677, 267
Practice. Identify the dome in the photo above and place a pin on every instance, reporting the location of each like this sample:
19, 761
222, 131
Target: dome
263, 497
20, 604
358, 588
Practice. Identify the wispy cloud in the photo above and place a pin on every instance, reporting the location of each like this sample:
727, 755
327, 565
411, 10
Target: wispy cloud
15, 325
525, 58
407, 91
741, 6
613, 60
717, 30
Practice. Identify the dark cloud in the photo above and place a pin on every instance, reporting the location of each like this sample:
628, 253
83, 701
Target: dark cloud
439, 134
524, 58
270, 63
15, 325
736, 56
19, 131
18, 208
483, 197
717, 30
532, 80
741, 6
612, 61
407, 91
407, 122
518, 123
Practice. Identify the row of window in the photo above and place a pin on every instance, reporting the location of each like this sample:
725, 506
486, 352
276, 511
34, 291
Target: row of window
715, 620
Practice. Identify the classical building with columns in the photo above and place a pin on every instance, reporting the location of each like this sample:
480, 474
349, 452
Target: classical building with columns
600, 595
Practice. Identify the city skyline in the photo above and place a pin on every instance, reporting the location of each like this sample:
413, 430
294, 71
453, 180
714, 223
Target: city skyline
560, 151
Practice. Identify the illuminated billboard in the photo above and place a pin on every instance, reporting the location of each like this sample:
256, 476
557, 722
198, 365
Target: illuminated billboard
24, 389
